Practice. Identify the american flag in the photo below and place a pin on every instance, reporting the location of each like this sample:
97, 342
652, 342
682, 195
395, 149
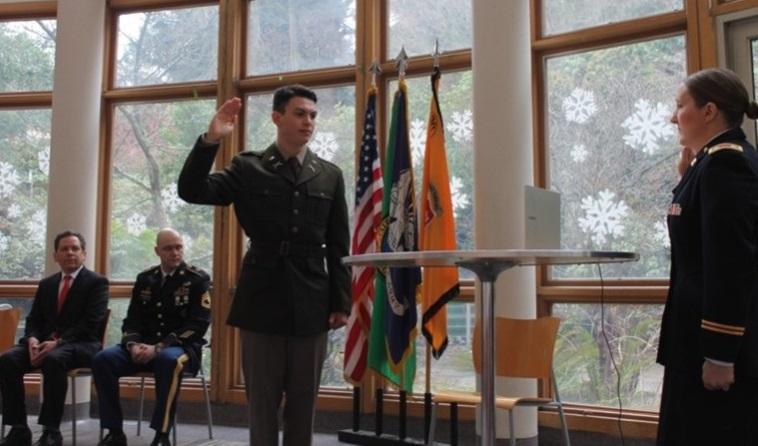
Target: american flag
368, 214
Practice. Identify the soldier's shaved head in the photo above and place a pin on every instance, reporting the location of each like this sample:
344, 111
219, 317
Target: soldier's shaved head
170, 248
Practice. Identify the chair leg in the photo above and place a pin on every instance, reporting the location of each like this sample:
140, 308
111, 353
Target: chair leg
512, 428
176, 417
207, 406
562, 414
73, 410
2, 431
141, 404
432, 425
453, 424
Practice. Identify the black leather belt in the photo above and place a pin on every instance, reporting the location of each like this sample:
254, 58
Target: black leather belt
287, 248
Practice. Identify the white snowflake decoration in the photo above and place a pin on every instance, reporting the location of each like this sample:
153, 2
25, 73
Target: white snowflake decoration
579, 153
661, 234
647, 126
8, 179
418, 141
37, 227
603, 217
324, 145
579, 106
4, 242
43, 161
171, 200
135, 224
460, 198
462, 126
14, 210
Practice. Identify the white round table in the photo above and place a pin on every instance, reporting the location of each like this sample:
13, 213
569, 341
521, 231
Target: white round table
487, 264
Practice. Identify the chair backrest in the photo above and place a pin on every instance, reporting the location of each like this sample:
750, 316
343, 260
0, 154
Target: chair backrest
9, 319
523, 347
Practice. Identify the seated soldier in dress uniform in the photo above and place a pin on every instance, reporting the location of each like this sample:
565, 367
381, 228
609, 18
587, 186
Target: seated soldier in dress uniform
168, 315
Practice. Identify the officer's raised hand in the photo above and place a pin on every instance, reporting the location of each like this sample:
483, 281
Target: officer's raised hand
224, 120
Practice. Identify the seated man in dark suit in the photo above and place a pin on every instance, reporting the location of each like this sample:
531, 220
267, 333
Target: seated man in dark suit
168, 316
61, 334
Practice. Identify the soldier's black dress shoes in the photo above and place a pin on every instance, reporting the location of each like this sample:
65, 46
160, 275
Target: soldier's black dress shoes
161, 440
113, 439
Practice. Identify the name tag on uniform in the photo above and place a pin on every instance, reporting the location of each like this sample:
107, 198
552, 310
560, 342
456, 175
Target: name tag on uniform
675, 209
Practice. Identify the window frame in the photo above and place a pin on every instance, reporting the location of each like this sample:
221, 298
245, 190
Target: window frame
25, 100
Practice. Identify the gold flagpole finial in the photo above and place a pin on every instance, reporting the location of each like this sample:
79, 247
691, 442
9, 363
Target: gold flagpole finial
375, 69
401, 63
436, 54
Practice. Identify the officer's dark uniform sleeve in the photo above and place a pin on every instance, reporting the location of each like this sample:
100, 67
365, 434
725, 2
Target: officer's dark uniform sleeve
728, 191
196, 185
338, 246
199, 316
134, 323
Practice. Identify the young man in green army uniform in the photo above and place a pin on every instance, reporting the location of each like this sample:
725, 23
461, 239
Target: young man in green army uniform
168, 316
292, 286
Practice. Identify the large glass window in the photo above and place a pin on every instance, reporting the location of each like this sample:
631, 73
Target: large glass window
150, 144
613, 151
27, 55
167, 46
592, 354
416, 24
24, 165
27, 58
296, 35
560, 16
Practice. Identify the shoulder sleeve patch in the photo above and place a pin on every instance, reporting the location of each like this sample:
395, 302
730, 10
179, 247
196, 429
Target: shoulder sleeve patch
205, 300
724, 146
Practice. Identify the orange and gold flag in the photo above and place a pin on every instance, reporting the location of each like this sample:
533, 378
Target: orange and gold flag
437, 229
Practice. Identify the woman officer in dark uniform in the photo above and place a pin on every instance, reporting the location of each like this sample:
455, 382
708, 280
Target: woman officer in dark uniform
709, 338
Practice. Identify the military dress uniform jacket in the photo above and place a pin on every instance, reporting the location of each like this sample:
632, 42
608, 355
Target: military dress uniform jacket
81, 317
292, 276
711, 309
175, 313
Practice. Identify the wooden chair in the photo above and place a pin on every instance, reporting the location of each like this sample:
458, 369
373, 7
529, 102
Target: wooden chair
523, 349
9, 319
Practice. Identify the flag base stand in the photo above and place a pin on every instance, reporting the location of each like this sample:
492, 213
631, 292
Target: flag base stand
368, 438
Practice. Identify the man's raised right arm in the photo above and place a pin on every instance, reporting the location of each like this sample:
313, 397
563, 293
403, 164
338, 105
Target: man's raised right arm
196, 184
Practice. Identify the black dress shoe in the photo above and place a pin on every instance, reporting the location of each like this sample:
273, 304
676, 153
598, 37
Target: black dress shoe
50, 438
17, 436
113, 439
161, 439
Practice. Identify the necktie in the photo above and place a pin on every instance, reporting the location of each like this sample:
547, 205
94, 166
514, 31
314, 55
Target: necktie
294, 166
64, 291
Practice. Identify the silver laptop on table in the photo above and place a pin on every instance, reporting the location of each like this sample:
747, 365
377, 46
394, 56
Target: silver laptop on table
543, 218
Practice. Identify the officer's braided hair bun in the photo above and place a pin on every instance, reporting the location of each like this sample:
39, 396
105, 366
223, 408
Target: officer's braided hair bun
752, 110
725, 89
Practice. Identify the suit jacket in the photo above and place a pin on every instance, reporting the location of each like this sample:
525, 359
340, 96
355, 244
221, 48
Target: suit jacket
292, 276
82, 314
175, 313
711, 309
